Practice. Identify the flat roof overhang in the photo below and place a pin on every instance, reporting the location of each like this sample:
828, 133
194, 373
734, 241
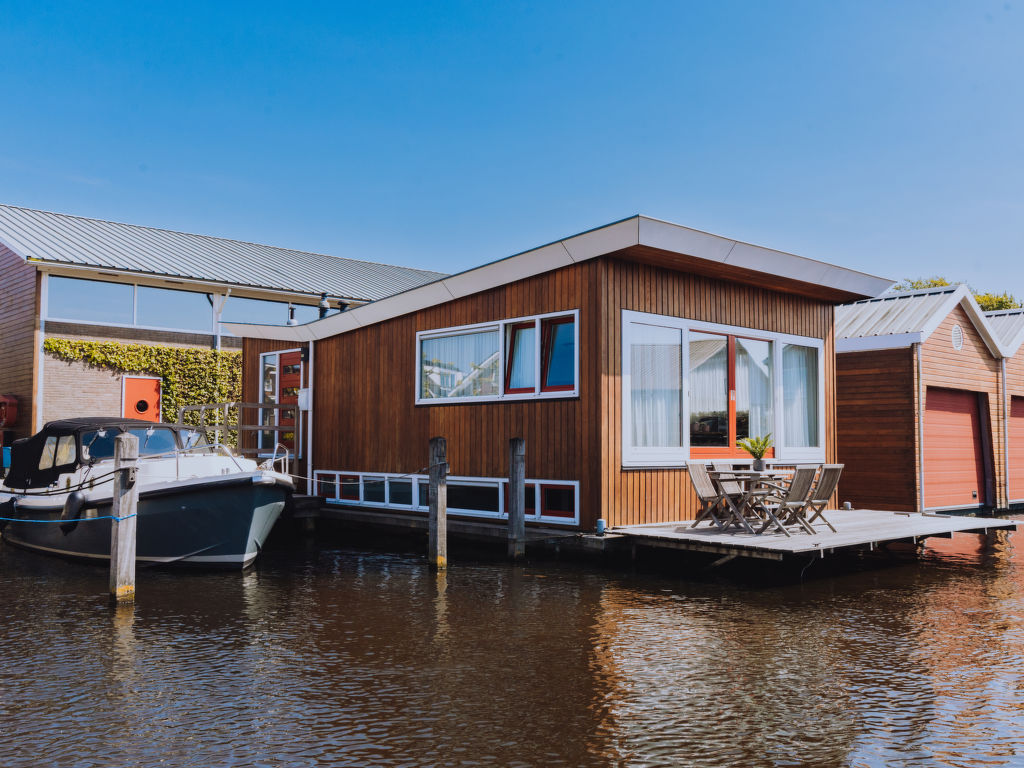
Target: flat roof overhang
638, 238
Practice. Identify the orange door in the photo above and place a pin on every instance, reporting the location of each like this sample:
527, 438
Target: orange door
954, 459
1016, 435
141, 398
290, 381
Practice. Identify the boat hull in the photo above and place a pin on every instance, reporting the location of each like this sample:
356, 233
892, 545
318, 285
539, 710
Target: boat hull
221, 523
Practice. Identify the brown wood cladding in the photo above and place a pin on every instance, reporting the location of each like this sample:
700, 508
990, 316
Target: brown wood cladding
632, 496
19, 322
252, 378
365, 391
365, 388
876, 425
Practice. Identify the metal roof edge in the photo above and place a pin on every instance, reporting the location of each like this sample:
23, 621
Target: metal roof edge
599, 241
57, 268
270, 332
741, 253
1010, 345
867, 343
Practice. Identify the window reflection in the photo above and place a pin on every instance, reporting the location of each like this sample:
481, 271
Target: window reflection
92, 301
166, 308
709, 389
462, 365
753, 388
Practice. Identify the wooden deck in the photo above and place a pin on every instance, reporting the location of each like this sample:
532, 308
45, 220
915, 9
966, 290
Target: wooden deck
856, 528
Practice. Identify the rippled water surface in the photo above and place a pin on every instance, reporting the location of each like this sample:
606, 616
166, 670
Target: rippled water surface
330, 654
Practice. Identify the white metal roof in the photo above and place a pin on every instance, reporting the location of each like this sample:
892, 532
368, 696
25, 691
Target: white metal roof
60, 239
900, 319
1008, 325
634, 231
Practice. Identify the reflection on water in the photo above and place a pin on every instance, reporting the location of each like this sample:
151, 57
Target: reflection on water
335, 656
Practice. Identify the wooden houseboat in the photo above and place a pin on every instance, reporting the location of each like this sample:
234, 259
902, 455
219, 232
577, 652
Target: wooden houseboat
617, 354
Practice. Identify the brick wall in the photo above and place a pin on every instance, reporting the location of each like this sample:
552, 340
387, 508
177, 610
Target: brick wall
17, 334
78, 389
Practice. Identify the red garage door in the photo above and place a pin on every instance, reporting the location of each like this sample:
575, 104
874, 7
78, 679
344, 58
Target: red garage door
1016, 435
954, 457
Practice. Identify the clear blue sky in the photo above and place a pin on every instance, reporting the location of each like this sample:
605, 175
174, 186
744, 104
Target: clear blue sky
883, 136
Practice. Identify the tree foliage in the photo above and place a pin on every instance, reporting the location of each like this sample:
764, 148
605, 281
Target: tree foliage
991, 302
190, 376
921, 283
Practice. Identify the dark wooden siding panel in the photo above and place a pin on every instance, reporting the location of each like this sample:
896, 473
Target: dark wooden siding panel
876, 428
661, 495
251, 378
365, 391
19, 320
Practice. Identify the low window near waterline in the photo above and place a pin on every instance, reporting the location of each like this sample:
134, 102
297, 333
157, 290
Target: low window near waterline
475, 497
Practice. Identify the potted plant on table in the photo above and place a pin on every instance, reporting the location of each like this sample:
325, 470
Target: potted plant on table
757, 447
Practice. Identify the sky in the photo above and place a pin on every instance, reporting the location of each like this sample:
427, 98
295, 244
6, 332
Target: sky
885, 137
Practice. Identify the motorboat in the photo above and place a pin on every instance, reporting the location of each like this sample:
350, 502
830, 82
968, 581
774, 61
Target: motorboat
199, 504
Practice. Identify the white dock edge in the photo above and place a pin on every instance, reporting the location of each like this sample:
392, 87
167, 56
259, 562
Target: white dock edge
854, 528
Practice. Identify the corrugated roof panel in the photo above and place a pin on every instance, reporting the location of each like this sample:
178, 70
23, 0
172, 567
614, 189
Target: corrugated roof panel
892, 314
1008, 325
63, 239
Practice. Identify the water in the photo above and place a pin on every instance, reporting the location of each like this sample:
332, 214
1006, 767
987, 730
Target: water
335, 655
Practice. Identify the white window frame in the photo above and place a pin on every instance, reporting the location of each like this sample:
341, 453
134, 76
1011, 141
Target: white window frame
501, 327
421, 504
678, 456
277, 398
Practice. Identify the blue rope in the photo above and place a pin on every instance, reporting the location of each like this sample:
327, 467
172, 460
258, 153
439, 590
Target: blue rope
69, 520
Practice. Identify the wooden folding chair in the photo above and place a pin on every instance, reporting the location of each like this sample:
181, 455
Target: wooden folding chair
789, 502
826, 486
737, 496
708, 495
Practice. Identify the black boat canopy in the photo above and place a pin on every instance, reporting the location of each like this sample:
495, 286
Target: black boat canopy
38, 461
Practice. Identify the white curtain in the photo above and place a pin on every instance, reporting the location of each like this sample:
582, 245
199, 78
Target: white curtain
800, 396
656, 385
753, 388
463, 365
709, 389
522, 357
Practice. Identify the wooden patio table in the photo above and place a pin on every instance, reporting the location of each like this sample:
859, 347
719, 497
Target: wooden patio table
753, 484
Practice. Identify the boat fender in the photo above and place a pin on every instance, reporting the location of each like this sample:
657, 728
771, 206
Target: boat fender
7, 509
72, 511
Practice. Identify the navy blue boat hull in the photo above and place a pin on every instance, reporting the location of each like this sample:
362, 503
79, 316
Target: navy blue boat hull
217, 523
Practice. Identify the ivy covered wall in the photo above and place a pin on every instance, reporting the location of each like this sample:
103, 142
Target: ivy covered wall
190, 376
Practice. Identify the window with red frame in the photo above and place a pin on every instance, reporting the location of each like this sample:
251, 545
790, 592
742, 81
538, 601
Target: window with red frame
557, 355
520, 354
731, 393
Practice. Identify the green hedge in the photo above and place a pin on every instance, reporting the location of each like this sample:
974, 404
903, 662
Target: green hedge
190, 376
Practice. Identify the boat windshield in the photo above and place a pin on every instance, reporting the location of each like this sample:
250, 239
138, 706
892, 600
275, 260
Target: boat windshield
194, 441
99, 444
155, 440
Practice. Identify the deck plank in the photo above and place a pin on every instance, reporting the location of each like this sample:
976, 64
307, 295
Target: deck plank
854, 528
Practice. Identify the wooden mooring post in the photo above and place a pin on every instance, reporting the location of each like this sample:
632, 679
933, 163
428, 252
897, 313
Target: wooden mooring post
516, 499
123, 526
437, 542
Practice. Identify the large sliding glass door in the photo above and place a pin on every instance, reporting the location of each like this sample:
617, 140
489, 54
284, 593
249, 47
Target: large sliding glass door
693, 390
